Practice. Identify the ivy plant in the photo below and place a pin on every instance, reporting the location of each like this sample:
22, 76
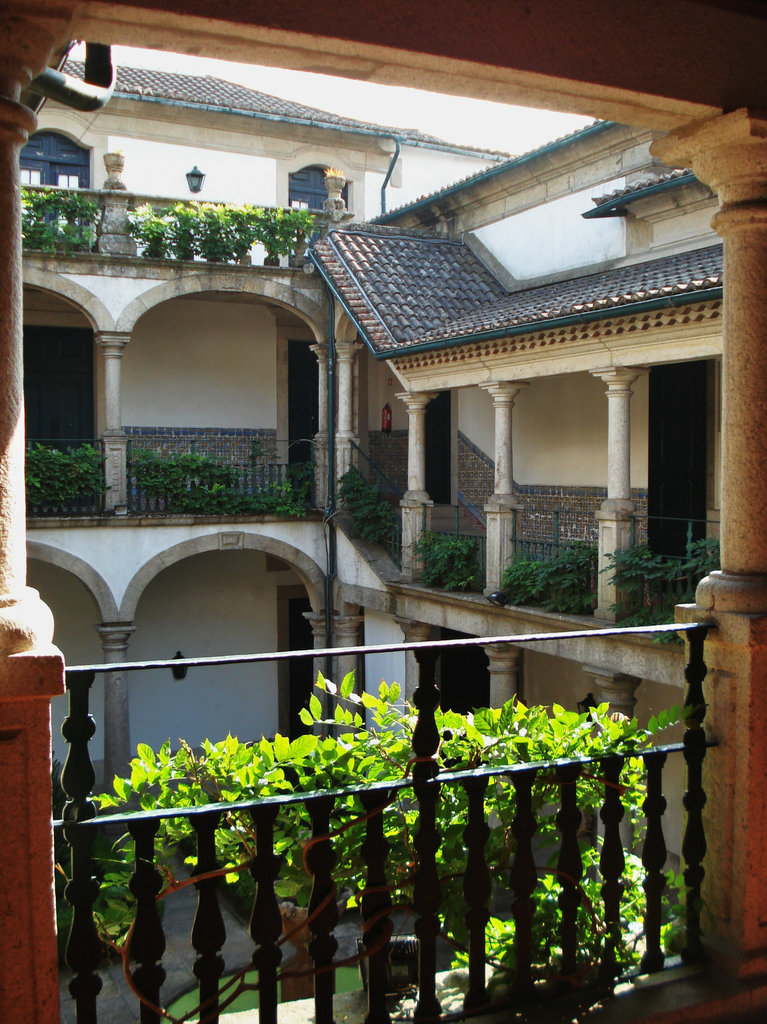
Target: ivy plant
372, 518
380, 749
449, 562
565, 583
61, 478
60, 221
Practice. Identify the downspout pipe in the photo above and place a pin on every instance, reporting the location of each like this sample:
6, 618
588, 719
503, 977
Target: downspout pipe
330, 507
397, 150
92, 93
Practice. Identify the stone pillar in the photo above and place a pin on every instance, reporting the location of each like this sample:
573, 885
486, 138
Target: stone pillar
321, 437
347, 634
614, 516
416, 497
503, 664
614, 688
346, 353
112, 344
415, 632
729, 152
318, 623
117, 742
114, 234
501, 508
31, 670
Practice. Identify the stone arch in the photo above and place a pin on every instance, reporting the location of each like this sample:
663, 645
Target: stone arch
270, 288
56, 284
93, 581
306, 568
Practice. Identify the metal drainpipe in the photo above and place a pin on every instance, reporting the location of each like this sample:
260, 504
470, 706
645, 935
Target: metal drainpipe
389, 174
330, 507
91, 94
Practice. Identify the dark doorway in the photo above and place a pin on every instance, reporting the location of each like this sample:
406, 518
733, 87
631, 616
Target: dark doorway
303, 400
52, 159
306, 189
677, 456
58, 384
438, 448
300, 670
464, 676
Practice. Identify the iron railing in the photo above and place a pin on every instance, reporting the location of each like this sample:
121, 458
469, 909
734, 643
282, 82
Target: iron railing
537, 550
421, 788
65, 477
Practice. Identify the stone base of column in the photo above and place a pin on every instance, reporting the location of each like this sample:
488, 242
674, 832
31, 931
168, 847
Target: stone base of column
415, 632
614, 518
614, 688
503, 664
29, 986
501, 511
412, 527
734, 891
116, 471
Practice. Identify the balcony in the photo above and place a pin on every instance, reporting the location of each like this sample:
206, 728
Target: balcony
573, 920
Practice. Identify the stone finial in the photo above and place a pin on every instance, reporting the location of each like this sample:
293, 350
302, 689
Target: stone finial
114, 163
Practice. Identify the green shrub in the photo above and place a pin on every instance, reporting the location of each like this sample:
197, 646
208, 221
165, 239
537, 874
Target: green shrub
449, 562
57, 478
372, 518
58, 221
565, 583
230, 771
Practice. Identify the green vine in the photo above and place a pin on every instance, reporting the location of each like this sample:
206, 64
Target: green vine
60, 478
449, 562
372, 518
565, 583
60, 221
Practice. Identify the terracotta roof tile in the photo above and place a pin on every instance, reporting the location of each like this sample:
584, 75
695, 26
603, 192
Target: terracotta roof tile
410, 288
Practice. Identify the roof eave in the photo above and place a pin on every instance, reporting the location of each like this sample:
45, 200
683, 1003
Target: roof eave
617, 207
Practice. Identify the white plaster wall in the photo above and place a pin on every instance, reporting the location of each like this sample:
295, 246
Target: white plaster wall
159, 169
201, 363
560, 432
476, 418
554, 237
383, 387
381, 628
75, 615
214, 603
426, 170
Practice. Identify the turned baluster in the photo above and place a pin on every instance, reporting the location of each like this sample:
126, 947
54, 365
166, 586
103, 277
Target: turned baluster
323, 912
569, 865
654, 860
208, 931
477, 888
375, 904
694, 842
523, 878
148, 942
265, 919
612, 864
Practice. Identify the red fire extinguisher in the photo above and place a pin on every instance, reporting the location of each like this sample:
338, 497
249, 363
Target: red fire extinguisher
386, 419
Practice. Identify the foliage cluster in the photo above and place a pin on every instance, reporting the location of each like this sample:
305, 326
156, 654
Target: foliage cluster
372, 517
58, 220
232, 771
649, 585
196, 484
61, 478
565, 583
218, 233
448, 561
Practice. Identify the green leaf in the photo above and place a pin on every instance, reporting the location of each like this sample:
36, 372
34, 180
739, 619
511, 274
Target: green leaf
306, 716
347, 685
315, 707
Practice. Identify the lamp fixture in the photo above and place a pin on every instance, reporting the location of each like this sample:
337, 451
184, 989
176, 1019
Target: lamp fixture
179, 671
195, 179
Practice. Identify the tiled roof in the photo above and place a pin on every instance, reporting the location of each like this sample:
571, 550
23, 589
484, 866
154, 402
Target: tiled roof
205, 90
407, 289
640, 186
614, 203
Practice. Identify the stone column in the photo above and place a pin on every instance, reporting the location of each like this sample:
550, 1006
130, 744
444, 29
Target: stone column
117, 742
112, 344
614, 688
501, 508
114, 234
614, 516
321, 437
347, 634
415, 632
416, 497
729, 152
346, 353
503, 664
31, 670
318, 623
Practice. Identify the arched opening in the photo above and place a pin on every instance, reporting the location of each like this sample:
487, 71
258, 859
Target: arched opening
50, 158
306, 189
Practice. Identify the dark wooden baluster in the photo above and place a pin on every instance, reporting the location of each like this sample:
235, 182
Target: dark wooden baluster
524, 878
83, 949
569, 865
694, 842
320, 860
208, 932
266, 921
654, 860
376, 901
148, 943
427, 890
477, 888
612, 864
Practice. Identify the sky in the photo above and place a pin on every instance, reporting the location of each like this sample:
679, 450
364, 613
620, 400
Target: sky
480, 123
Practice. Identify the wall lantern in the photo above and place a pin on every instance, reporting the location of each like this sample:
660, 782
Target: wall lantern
194, 179
179, 671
